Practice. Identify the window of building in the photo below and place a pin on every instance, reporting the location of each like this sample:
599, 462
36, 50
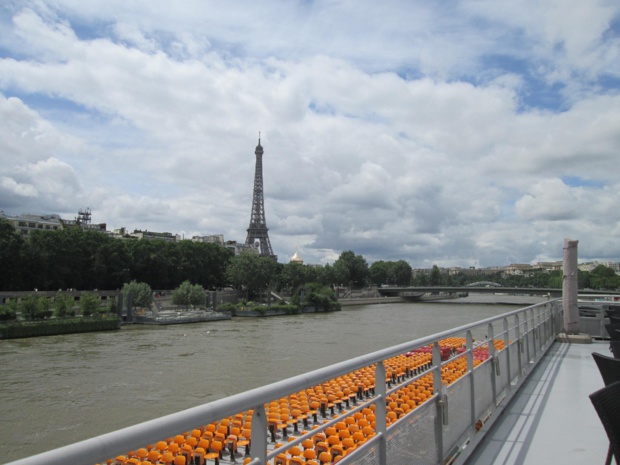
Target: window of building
22, 223
31, 225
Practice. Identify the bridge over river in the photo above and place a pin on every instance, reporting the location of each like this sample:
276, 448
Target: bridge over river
421, 290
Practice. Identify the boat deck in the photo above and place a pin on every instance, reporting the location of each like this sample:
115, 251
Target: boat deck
551, 419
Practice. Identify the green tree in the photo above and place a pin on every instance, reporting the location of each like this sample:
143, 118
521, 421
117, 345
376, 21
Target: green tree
89, 303
63, 305
8, 311
252, 272
296, 274
317, 295
435, 279
11, 251
379, 273
351, 269
44, 308
189, 294
142, 295
29, 308
401, 273
603, 277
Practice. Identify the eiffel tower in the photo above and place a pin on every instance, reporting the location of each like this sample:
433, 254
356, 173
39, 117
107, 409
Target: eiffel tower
258, 231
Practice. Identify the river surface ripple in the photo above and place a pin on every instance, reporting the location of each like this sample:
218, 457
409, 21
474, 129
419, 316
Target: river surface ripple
57, 390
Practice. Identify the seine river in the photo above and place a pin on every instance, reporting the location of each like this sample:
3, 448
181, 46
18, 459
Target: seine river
57, 390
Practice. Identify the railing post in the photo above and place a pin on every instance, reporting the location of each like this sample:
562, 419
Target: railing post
437, 390
381, 411
259, 434
469, 351
494, 361
526, 335
508, 350
519, 344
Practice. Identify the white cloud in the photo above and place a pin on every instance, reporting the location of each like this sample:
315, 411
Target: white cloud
399, 133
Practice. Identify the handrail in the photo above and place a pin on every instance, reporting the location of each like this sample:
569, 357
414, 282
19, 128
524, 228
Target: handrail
103, 447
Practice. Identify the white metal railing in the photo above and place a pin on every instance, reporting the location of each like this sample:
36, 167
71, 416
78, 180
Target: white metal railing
454, 416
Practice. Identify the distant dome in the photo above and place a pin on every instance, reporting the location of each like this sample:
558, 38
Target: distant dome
297, 258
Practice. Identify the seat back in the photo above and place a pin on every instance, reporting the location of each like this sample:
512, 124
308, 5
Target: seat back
614, 331
608, 366
606, 402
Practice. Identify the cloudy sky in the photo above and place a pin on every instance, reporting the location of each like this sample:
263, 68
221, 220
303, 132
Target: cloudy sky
462, 133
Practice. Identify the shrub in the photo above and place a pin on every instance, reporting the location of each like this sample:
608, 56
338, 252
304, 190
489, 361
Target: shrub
142, 293
44, 309
29, 308
8, 312
63, 305
189, 294
89, 303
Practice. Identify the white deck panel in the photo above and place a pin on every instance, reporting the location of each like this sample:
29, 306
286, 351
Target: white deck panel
551, 419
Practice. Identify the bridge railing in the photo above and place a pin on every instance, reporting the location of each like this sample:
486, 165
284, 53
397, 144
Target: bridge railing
466, 388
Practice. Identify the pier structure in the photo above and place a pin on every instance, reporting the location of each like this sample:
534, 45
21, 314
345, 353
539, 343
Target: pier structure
432, 400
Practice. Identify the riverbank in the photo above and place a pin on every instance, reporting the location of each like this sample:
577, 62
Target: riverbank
23, 329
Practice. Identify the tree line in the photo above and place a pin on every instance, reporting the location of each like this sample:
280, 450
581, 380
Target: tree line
87, 260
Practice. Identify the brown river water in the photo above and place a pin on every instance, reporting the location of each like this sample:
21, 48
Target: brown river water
57, 390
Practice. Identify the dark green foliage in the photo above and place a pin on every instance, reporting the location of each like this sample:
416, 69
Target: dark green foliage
73, 258
8, 311
252, 272
11, 257
351, 270
189, 294
29, 308
391, 273
89, 304
63, 305
322, 298
142, 295
228, 307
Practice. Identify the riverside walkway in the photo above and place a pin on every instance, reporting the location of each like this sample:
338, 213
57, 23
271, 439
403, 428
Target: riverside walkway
426, 401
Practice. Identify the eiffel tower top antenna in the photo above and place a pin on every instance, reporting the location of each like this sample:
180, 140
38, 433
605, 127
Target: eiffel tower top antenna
258, 231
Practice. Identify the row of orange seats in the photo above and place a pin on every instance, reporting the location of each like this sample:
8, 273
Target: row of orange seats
234, 433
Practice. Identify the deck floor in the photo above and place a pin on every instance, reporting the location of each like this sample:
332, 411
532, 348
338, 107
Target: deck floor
551, 419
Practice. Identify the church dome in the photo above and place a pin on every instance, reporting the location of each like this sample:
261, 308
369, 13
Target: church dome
297, 258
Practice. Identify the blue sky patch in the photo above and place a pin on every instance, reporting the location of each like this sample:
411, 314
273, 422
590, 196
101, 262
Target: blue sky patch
576, 181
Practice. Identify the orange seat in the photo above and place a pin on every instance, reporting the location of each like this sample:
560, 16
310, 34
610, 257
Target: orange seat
325, 457
216, 452
244, 440
321, 447
231, 444
337, 449
309, 454
153, 456
348, 444
199, 455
